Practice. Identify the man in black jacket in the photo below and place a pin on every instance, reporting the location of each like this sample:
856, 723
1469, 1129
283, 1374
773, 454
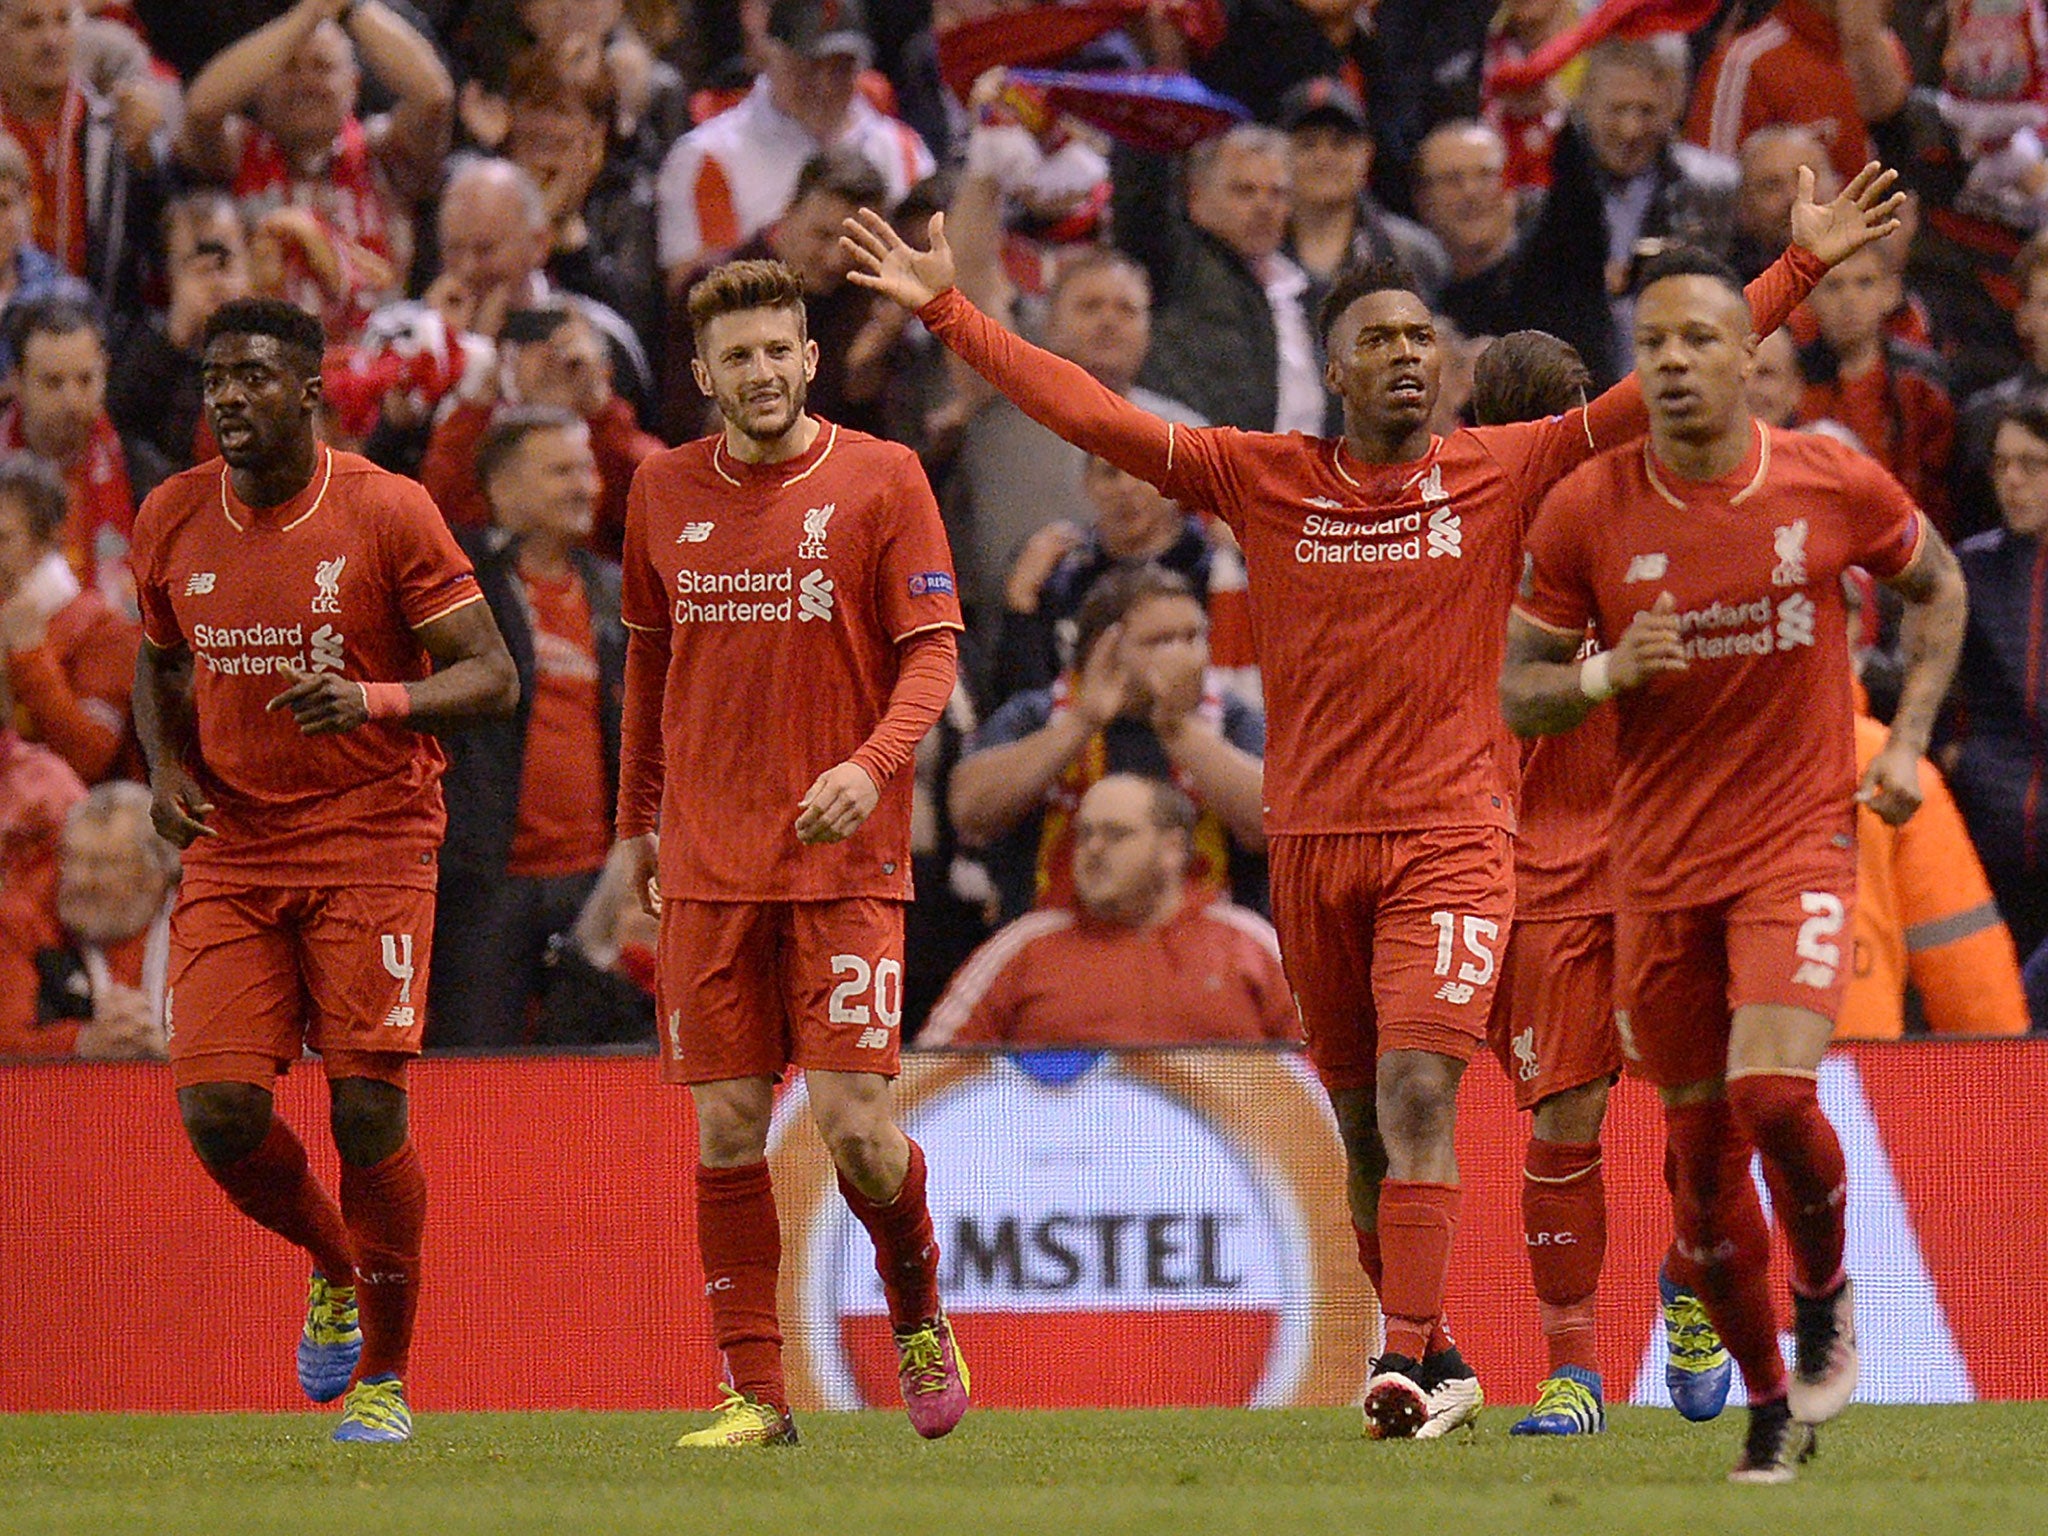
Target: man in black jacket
530, 798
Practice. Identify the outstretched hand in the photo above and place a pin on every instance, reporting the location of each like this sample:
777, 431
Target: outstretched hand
1866, 210
883, 261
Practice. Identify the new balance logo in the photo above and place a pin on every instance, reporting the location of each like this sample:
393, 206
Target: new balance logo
1795, 621
814, 597
327, 647
1446, 533
1645, 568
872, 1040
815, 523
400, 1017
695, 533
1789, 542
327, 577
1455, 992
199, 583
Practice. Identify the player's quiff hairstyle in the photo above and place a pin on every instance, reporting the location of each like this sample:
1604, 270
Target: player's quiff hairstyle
1677, 260
33, 484
1526, 376
1382, 274
296, 331
738, 286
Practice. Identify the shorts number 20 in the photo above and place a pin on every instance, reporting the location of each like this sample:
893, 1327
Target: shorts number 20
887, 979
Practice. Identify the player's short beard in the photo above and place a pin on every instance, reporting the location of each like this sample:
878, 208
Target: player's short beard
739, 420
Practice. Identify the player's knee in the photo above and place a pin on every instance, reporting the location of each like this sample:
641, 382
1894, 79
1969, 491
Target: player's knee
1574, 1115
369, 1120
225, 1122
1418, 1099
1358, 1125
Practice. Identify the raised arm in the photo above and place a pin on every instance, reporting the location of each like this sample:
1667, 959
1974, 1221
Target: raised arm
415, 138
1822, 235
234, 75
1931, 635
1059, 395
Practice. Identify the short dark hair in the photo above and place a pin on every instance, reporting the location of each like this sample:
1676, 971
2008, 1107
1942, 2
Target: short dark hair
2029, 413
1115, 593
843, 173
32, 483
296, 331
47, 316
1172, 809
1680, 260
508, 432
1380, 274
738, 286
1526, 376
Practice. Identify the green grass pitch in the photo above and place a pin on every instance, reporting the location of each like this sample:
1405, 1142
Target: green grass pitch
1954, 1471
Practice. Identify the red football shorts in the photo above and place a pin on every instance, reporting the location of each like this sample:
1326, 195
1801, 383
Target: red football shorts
1681, 974
751, 988
258, 972
1391, 941
1553, 1016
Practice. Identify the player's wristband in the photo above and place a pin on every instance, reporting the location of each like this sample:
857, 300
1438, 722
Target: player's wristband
386, 701
1595, 677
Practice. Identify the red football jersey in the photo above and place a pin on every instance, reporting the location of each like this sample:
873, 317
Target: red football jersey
783, 591
1376, 589
1744, 762
337, 579
1561, 863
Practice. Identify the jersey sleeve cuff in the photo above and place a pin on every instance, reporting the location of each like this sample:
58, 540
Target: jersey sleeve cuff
442, 613
1567, 631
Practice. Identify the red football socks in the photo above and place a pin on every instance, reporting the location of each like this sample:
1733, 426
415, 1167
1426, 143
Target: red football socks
1417, 1223
1723, 1246
906, 1249
386, 1208
739, 1241
1375, 1271
273, 1187
1564, 1226
1803, 1166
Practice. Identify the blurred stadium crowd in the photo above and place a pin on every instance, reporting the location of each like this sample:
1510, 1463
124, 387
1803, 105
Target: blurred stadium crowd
495, 207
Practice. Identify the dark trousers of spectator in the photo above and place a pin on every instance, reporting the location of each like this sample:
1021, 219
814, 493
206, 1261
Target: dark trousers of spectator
2023, 902
490, 951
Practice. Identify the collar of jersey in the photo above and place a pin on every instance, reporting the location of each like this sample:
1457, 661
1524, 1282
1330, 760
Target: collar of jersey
1416, 468
800, 468
1662, 486
278, 514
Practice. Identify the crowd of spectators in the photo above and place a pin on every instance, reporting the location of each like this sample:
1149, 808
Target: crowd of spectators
495, 207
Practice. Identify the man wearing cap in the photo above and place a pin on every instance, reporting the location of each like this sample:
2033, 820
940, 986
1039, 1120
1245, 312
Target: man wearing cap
729, 177
1335, 220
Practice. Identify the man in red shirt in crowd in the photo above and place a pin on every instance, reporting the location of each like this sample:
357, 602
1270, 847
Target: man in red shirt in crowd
1141, 958
273, 115
69, 658
36, 793
1376, 563
59, 411
307, 617
791, 607
1707, 562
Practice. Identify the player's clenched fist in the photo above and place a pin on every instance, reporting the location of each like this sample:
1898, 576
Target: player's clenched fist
177, 808
1891, 785
836, 804
640, 857
1649, 647
322, 703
